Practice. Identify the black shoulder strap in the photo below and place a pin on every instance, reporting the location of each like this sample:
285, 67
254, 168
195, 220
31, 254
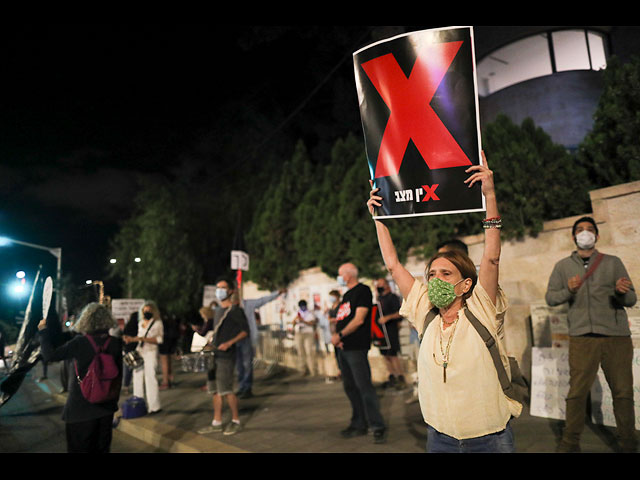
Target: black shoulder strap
491, 344
149, 327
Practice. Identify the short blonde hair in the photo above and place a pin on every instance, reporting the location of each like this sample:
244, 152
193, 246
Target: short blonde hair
94, 317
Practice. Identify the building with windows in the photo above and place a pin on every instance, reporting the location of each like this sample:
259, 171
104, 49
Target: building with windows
551, 74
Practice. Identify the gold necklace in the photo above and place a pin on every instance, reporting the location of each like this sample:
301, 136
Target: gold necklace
445, 353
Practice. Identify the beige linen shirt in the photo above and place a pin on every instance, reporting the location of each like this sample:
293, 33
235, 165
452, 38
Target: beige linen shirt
471, 402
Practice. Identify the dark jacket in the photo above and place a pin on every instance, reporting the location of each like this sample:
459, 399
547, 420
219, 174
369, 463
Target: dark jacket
77, 408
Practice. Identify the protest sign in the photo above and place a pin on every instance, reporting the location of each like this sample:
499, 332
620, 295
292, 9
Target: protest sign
550, 386
418, 103
122, 308
549, 382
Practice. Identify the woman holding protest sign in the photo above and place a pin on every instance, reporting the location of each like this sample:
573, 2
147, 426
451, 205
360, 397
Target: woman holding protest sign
88, 417
461, 398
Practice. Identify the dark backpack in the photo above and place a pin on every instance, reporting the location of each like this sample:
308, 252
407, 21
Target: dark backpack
102, 381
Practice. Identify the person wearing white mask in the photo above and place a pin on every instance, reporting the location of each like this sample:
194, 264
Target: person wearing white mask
597, 288
304, 326
229, 327
352, 342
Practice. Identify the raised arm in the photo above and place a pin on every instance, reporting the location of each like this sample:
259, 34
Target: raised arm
401, 276
490, 263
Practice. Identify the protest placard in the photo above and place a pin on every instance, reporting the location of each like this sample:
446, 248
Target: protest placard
418, 102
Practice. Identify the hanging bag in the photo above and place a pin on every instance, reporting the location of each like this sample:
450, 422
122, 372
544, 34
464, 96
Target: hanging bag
133, 359
211, 373
102, 381
509, 385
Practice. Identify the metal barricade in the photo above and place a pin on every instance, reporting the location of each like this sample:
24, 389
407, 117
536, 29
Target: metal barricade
270, 349
197, 362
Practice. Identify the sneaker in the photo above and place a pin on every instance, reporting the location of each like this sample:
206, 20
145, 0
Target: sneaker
210, 429
351, 432
380, 436
400, 383
390, 383
232, 428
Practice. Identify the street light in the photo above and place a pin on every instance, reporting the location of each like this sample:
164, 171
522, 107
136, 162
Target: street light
130, 274
19, 288
56, 252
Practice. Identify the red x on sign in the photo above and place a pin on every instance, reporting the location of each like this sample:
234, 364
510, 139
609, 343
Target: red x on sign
430, 192
412, 117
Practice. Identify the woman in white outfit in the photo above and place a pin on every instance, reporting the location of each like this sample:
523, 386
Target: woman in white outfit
150, 331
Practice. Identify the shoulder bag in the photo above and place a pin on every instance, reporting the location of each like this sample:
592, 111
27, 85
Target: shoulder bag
133, 359
211, 373
508, 384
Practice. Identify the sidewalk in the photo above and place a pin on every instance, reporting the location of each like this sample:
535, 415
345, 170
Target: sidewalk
290, 413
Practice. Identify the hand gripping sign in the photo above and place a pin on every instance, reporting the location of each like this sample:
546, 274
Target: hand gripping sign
419, 111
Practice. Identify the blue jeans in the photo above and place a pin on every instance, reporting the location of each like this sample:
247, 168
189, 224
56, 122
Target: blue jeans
500, 442
244, 364
356, 379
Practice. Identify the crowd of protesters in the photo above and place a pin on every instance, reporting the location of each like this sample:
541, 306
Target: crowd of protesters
452, 313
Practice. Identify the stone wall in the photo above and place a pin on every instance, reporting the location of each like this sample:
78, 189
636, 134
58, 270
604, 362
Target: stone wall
525, 267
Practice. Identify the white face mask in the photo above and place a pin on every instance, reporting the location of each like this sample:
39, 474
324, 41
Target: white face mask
341, 281
585, 240
221, 293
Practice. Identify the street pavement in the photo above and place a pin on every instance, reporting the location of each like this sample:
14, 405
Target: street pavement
292, 413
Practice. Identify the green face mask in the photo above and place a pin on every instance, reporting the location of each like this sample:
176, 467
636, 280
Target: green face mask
441, 293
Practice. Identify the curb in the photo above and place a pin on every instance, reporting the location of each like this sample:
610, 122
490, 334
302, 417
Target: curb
172, 439
167, 438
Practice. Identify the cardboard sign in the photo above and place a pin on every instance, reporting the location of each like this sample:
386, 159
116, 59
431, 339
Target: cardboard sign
379, 336
419, 108
47, 293
550, 386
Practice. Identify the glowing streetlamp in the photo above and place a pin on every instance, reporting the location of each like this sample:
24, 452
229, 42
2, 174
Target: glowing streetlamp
130, 274
56, 252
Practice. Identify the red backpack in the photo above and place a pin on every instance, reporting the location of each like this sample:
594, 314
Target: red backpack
102, 381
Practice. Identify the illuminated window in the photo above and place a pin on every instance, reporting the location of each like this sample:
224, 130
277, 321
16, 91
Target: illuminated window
541, 55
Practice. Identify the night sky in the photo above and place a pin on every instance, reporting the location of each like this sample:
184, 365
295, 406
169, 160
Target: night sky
86, 109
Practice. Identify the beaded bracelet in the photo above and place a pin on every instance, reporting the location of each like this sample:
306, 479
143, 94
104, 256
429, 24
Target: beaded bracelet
495, 222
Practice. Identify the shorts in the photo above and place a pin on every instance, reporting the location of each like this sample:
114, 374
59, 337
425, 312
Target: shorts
225, 375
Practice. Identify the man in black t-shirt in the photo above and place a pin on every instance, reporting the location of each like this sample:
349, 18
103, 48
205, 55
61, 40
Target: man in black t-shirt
390, 304
352, 341
229, 327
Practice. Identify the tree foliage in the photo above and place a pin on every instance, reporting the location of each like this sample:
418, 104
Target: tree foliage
161, 233
312, 211
611, 151
270, 239
536, 180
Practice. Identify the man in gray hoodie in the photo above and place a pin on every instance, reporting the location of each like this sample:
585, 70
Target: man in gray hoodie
597, 288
